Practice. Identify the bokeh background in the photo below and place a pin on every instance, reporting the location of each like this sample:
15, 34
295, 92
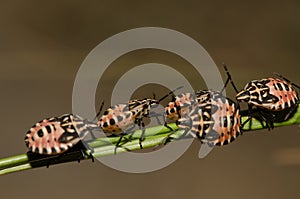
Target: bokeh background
42, 45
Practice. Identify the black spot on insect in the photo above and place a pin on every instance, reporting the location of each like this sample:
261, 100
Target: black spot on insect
40, 133
286, 104
198, 135
230, 102
206, 126
48, 129
225, 142
32, 138
105, 124
145, 106
127, 115
255, 93
36, 150
26, 143
44, 150
231, 119
205, 118
172, 110
105, 112
199, 127
232, 139
120, 118
28, 132
225, 123
112, 121
133, 112
279, 86
53, 150
286, 87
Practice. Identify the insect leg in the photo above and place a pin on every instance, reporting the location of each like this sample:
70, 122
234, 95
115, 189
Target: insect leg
291, 111
142, 126
249, 117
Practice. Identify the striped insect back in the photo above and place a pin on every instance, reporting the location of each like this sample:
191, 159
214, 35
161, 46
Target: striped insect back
123, 117
116, 119
227, 119
141, 108
215, 121
270, 93
120, 117
211, 117
56, 135
274, 99
197, 122
180, 105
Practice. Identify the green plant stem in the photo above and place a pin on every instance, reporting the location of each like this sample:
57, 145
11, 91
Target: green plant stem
154, 136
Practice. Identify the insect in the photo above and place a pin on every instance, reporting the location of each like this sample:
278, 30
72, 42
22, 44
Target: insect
121, 118
207, 115
270, 96
56, 135
182, 104
215, 121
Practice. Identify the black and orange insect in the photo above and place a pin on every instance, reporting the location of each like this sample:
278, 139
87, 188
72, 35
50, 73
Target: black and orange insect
208, 115
121, 118
57, 135
215, 121
270, 97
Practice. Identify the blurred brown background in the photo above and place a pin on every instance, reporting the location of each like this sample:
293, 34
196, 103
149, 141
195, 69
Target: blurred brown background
43, 44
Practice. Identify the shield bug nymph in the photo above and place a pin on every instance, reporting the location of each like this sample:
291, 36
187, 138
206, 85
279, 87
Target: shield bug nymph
271, 97
121, 118
57, 135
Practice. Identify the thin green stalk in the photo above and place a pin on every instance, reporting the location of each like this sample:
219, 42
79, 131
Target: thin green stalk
154, 136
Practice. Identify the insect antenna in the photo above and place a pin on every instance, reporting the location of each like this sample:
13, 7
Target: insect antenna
286, 79
228, 79
170, 93
100, 110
